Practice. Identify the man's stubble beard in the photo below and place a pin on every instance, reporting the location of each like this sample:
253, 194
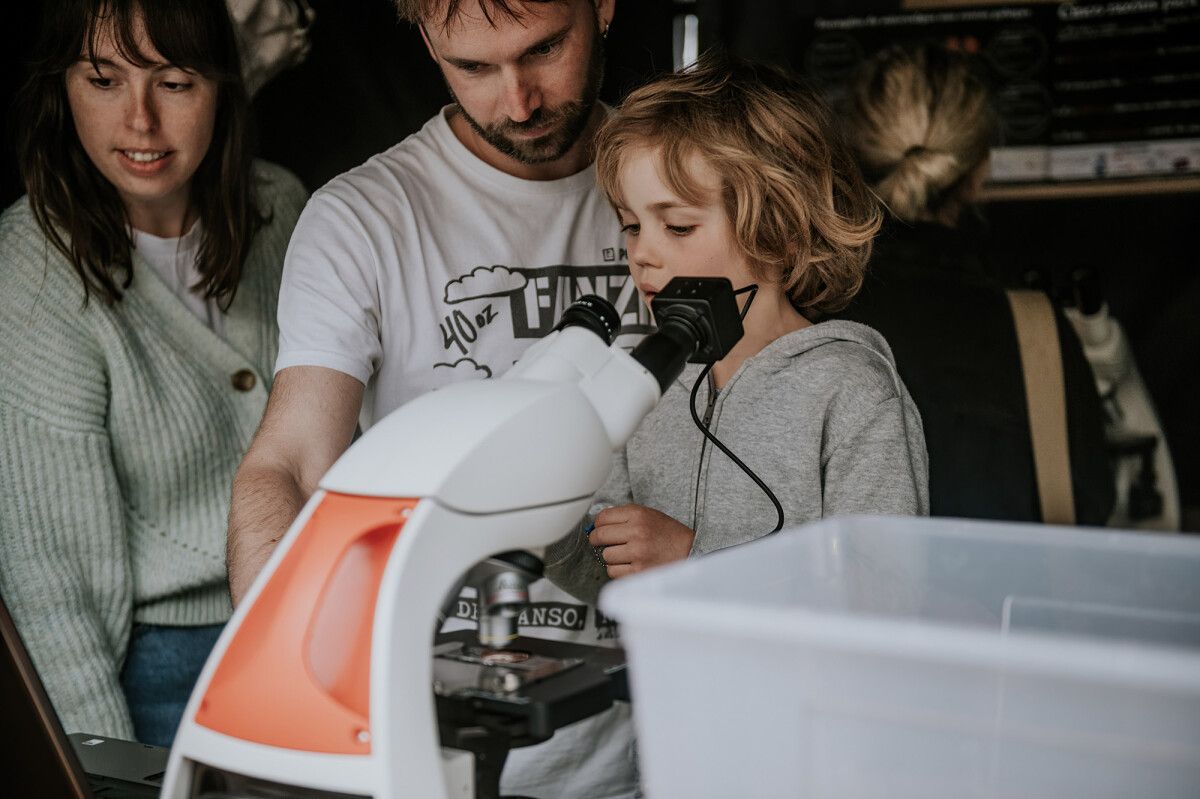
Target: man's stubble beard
568, 121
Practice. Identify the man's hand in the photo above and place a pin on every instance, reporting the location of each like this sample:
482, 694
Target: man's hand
635, 538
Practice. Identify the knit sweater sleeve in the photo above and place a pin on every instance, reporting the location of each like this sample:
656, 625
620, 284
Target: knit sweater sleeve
64, 564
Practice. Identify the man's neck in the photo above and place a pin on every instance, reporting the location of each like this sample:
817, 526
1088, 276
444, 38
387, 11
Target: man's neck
573, 161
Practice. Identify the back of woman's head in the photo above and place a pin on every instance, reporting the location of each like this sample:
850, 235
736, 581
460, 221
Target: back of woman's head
791, 190
920, 122
77, 208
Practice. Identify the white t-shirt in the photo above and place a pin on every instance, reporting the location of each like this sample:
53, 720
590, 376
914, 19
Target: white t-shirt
426, 266
174, 260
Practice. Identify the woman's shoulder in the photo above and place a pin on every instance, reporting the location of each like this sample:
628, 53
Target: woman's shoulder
281, 197
30, 265
17, 224
50, 355
277, 186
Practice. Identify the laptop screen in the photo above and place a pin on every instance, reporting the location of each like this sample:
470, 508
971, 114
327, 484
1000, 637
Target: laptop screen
37, 759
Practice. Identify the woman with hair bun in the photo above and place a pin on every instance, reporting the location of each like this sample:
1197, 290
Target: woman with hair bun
138, 288
921, 125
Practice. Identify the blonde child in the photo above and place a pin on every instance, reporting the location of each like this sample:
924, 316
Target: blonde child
736, 170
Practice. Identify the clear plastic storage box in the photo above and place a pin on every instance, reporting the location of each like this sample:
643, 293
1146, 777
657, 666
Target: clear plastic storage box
873, 657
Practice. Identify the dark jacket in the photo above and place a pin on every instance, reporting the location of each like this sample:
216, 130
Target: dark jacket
952, 333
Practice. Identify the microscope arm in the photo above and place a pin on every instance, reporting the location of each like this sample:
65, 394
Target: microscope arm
321, 680
349, 598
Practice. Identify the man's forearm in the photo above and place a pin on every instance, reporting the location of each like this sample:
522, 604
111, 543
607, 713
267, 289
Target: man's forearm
265, 503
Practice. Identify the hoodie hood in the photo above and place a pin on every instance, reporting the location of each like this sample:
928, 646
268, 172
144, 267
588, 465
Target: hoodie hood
782, 353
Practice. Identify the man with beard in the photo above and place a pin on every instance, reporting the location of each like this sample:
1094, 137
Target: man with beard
443, 259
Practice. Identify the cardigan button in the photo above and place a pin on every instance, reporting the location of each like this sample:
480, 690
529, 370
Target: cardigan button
243, 380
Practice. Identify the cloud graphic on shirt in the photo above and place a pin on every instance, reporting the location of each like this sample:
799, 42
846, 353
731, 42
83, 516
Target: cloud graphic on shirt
485, 281
465, 369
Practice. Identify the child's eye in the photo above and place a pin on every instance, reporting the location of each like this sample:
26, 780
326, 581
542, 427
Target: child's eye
681, 230
632, 229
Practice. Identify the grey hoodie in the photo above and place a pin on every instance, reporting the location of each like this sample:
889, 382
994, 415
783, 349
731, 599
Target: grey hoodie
820, 415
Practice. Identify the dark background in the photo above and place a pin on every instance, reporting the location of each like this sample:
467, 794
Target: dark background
369, 82
1138, 245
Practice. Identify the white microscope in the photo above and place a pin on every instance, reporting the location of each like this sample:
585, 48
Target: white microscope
327, 682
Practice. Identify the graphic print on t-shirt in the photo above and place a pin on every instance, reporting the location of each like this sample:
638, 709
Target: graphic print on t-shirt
527, 303
568, 616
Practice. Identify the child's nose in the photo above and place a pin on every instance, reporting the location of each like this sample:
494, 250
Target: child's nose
643, 253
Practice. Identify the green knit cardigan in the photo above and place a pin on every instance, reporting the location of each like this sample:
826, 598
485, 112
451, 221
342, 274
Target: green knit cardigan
120, 429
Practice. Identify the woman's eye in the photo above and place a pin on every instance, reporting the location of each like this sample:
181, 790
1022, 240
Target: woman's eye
176, 86
631, 229
101, 83
681, 230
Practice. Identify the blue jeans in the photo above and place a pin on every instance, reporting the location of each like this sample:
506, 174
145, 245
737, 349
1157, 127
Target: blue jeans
161, 668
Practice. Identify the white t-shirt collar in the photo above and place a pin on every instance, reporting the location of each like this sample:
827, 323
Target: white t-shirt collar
174, 261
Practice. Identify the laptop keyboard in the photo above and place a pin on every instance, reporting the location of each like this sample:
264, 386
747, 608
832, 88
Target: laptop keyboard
106, 788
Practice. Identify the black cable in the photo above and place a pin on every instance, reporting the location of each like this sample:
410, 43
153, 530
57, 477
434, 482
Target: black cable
753, 289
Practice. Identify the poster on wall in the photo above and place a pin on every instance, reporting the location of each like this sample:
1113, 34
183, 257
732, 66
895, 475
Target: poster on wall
1083, 90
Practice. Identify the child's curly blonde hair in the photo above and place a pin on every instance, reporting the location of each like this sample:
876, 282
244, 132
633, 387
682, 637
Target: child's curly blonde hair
798, 206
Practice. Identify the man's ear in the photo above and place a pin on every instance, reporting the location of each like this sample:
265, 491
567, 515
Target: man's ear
425, 38
604, 13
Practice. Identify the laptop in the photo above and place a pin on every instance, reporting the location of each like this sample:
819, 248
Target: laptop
38, 758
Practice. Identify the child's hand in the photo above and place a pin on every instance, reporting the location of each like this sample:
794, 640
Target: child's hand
635, 537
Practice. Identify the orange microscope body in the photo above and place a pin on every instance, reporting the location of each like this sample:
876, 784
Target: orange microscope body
320, 684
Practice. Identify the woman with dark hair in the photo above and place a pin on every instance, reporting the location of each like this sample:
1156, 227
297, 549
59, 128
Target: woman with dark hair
138, 284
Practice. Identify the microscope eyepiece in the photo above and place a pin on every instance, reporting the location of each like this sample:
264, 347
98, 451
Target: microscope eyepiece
698, 322
594, 313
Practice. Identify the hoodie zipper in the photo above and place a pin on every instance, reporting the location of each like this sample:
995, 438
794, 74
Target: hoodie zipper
708, 414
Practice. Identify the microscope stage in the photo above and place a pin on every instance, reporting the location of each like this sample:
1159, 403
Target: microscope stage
536, 684
461, 669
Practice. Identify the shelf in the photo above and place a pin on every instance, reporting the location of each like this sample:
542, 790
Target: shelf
1111, 187
928, 5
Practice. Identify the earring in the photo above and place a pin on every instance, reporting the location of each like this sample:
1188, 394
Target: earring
604, 33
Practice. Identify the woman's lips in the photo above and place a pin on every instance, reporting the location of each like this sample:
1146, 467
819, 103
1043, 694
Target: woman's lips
145, 163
